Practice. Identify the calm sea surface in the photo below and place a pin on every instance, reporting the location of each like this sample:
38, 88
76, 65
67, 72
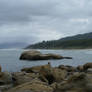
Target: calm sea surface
9, 58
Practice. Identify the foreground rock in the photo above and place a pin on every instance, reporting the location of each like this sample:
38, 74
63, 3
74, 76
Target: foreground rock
47, 73
46, 78
87, 66
78, 82
36, 69
36, 55
6, 81
22, 77
33, 86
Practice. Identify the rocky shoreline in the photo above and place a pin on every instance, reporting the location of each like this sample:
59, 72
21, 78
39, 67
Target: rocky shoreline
46, 78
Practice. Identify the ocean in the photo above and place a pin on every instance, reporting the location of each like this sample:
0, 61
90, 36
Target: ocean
9, 58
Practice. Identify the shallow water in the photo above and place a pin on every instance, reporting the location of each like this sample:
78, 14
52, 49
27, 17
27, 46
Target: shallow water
9, 58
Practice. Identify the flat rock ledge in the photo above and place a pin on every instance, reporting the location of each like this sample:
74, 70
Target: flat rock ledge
36, 55
46, 78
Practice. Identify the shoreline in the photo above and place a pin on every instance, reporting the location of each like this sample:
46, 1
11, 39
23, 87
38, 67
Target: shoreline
46, 49
62, 49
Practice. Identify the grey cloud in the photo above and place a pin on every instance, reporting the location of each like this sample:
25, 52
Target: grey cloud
23, 10
31, 21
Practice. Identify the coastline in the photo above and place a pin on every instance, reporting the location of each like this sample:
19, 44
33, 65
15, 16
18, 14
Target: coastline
23, 49
61, 49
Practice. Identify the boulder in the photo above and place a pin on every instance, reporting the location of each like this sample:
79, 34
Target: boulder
33, 86
36, 69
5, 81
47, 73
36, 55
80, 68
71, 68
22, 77
5, 78
52, 75
78, 82
54, 85
29, 55
87, 65
59, 75
6, 87
67, 68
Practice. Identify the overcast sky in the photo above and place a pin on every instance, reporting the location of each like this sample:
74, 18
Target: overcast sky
30, 21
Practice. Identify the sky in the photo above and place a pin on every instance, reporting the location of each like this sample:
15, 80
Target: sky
31, 21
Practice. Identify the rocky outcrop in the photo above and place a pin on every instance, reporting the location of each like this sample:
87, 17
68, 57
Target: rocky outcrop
68, 68
59, 75
47, 73
87, 65
78, 82
80, 68
6, 81
46, 78
52, 75
22, 77
36, 55
36, 69
33, 86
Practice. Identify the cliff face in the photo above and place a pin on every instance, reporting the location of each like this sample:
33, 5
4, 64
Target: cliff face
72, 42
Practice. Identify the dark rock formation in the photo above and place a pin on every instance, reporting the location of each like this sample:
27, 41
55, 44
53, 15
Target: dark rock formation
36, 55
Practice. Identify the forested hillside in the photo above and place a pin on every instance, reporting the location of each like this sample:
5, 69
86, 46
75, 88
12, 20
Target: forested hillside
81, 41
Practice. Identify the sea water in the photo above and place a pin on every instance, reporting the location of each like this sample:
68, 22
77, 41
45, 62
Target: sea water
9, 58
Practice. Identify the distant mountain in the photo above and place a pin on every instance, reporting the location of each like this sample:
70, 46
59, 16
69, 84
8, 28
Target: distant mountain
78, 37
12, 45
71, 42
